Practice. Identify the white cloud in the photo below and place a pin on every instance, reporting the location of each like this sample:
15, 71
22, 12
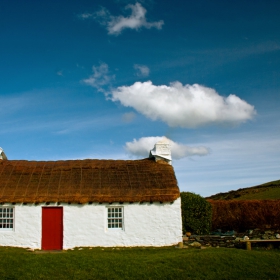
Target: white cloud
142, 70
99, 77
86, 16
185, 106
142, 147
116, 24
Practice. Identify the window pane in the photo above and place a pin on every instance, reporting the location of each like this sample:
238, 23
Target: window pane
115, 217
6, 218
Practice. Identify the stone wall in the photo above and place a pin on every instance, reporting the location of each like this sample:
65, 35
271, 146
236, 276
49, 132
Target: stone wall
235, 240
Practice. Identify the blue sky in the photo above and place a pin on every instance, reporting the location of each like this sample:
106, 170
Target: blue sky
105, 79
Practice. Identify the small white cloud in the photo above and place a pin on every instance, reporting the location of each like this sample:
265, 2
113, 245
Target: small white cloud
128, 117
86, 16
142, 147
59, 73
99, 77
103, 16
185, 106
142, 70
116, 24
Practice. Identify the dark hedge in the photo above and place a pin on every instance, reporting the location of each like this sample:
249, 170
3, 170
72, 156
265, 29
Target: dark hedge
241, 215
196, 213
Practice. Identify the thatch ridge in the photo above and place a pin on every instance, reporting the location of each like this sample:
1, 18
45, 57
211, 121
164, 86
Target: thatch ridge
83, 181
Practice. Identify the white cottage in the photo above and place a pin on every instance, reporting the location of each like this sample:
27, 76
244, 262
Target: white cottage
54, 205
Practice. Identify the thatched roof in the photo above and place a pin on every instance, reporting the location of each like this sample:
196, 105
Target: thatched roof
83, 181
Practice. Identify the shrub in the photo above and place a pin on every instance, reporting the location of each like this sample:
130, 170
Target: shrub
241, 215
196, 213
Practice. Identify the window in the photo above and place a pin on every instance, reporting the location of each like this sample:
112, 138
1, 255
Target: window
115, 217
6, 218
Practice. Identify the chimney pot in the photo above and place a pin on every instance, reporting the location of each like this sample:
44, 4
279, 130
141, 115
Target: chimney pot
162, 151
2, 154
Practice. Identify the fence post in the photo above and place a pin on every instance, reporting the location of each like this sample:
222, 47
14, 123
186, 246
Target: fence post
248, 245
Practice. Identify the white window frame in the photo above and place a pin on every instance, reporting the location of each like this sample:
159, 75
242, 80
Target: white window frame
115, 218
7, 218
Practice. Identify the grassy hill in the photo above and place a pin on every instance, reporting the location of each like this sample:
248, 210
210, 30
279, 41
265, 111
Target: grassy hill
270, 190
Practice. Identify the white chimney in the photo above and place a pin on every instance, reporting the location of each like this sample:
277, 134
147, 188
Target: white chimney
2, 154
162, 151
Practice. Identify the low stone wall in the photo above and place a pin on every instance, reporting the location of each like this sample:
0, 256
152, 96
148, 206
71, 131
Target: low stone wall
233, 241
210, 241
263, 234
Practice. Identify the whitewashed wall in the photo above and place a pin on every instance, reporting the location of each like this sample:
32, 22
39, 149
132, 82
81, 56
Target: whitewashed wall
86, 225
144, 225
27, 230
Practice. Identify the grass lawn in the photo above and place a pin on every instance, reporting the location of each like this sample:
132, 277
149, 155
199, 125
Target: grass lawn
140, 263
266, 193
270, 190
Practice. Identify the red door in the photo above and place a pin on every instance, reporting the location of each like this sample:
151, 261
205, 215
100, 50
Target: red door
52, 228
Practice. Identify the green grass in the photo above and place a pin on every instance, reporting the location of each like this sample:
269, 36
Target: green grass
140, 263
270, 190
271, 193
